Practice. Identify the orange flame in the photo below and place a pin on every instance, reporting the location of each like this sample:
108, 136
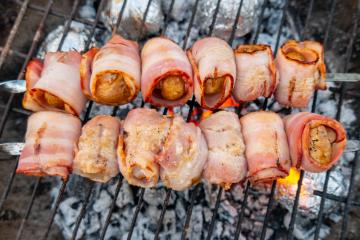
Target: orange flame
205, 114
230, 102
292, 178
170, 112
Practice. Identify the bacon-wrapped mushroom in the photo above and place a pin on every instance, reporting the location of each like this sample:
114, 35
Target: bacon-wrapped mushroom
316, 142
54, 85
49, 144
166, 78
145, 131
213, 63
96, 152
267, 151
226, 161
184, 155
111, 75
256, 72
302, 70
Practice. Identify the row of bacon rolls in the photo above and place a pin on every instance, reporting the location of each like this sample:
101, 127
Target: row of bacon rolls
169, 76
146, 146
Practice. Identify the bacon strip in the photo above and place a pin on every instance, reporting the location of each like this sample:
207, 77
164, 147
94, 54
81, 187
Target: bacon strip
111, 74
32, 75
256, 72
49, 146
267, 150
54, 85
184, 155
96, 153
145, 131
226, 161
166, 78
214, 67
306, 135
302, 70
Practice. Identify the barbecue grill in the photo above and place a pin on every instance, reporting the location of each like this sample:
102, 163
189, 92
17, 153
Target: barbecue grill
48, 10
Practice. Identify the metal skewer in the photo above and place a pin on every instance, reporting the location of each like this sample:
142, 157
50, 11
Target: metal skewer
10, 149
19, 86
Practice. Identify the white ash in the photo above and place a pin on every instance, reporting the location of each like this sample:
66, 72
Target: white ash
305, 229
87, 10
179, 10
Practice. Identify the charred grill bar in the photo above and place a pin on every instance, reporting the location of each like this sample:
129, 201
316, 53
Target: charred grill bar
47, 10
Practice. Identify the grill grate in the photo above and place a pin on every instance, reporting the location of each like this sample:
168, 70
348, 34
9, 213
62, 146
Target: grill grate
8, 108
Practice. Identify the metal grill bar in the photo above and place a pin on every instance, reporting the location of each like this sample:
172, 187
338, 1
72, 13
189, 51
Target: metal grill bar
268, 209
59, 14
282, 21
191, 105
56, 206
13, 31
261, 17
242, 211
86, 118
14, 52
220, 190
166, 21
194, 193
118, 21
213, 218
82, 213
308, 17
344, 224
115, 109
66, 29
338, 116
28, 209
34, 43
313, 109
137, 210
273, 186
336, 198
108, 217
247, 187
325, 43
161, 218
233, 31
82, 210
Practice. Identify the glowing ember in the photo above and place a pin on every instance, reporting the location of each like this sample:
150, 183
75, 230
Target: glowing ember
287, 188
308, 202
230, 102
170, 112
205, 114
292, 178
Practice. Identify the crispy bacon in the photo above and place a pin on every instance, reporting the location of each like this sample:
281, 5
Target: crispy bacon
302, 70
111, 74
166, 78
54, 85
256, 72
267, 150
183, 156
226, 161
145, 131
49, 144
96, 152
316, 142
214, 69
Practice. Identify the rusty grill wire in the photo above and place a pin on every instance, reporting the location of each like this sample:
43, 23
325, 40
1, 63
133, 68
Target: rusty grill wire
8, 108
